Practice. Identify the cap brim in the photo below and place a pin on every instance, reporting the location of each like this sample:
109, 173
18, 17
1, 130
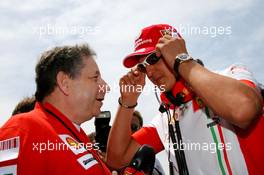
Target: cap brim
132, 59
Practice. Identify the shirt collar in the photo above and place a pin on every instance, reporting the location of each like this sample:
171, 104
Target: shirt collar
78, 127
59, 114
179, 87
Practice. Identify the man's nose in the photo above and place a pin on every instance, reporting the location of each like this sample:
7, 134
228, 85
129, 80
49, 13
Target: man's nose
107, 87
103, 87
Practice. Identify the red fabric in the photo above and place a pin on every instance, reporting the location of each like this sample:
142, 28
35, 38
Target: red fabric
179, 87
37, 127
147, 40
130, 171
249, 83
219, 128
149, 135
251, 142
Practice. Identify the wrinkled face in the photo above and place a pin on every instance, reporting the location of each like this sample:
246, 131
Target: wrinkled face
87, 91
160, 74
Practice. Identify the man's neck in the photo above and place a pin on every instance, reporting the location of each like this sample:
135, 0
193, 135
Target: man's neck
78, 127
62, 107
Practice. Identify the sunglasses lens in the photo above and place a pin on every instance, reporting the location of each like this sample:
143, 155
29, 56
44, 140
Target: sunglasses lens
141, 68
152, 59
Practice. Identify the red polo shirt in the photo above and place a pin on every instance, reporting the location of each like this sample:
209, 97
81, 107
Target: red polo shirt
44, 141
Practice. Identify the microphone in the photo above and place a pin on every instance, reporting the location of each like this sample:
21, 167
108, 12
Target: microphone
142, 162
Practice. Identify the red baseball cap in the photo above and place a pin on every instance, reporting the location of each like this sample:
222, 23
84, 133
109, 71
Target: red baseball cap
146, 42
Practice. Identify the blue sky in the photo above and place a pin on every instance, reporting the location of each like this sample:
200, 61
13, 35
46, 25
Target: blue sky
30, 27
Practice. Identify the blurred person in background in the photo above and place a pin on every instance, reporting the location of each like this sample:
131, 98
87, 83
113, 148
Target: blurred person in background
25, 105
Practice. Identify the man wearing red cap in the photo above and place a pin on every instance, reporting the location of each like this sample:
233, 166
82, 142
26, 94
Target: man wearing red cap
210, 122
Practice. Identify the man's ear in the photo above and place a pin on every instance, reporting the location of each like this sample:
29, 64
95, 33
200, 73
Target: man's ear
63, 81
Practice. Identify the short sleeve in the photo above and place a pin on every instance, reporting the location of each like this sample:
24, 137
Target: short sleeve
148, 135
240, 72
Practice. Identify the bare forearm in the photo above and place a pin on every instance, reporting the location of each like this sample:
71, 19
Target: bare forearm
227, 97
119, 138
121, 146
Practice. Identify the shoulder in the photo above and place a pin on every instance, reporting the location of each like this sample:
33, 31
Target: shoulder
19, 134
238, 71
25, 122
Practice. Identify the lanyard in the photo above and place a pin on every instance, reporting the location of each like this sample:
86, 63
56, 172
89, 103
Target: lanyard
179, 152
72, 132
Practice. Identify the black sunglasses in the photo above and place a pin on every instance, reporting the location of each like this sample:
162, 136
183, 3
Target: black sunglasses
149, 60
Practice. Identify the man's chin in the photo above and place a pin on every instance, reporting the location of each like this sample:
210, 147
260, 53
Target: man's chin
97, 112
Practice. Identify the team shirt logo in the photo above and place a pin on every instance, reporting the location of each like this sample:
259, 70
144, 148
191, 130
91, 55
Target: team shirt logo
8, 170
9, 149
87, 161
169, 32
74, 146
73, 143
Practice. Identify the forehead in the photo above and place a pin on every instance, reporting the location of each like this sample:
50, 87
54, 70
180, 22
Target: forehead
90, 66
